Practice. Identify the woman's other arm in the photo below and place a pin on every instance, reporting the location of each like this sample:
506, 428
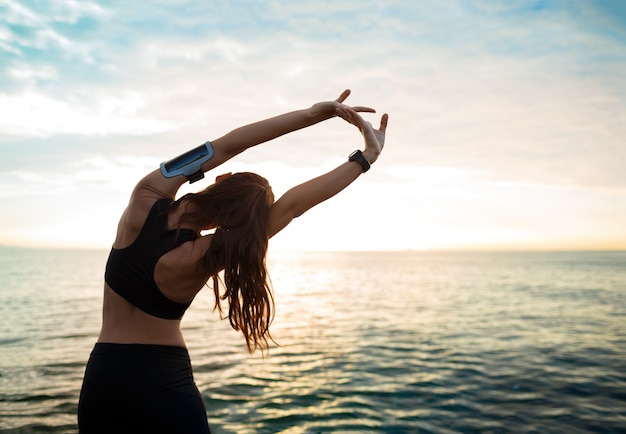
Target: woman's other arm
303, 197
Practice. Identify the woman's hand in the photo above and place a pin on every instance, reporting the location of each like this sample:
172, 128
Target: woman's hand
327, 109
374, 139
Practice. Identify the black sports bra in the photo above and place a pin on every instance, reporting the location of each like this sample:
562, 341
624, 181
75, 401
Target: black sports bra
130, 271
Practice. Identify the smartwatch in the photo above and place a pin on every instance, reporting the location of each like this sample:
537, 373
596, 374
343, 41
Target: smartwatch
359, 158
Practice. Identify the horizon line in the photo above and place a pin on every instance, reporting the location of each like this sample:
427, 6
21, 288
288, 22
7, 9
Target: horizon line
405, 250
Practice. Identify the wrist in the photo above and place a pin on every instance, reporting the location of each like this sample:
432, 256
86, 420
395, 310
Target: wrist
319, 112
370, 156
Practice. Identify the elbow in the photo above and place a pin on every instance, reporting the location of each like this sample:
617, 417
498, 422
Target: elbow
297, 213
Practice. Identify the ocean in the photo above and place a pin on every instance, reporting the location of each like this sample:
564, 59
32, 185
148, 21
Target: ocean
389, 342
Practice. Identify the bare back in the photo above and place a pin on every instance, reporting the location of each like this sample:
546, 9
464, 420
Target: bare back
175, 275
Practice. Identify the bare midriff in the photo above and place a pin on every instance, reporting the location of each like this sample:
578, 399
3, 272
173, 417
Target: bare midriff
124, 323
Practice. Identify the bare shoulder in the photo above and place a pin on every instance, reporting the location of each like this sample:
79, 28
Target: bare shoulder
155, 186
151, 188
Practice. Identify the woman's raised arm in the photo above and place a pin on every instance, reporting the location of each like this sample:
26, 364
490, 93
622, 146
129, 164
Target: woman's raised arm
305, 196
256, 133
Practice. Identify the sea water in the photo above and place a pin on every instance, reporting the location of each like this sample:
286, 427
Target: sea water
389, 342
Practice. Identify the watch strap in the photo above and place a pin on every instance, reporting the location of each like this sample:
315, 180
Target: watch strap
359, 158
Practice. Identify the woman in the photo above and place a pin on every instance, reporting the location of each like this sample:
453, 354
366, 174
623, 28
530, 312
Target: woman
139, 377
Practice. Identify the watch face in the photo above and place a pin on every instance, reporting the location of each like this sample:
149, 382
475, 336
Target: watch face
359, 158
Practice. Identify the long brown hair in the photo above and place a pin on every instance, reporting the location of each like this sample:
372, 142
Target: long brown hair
238, 207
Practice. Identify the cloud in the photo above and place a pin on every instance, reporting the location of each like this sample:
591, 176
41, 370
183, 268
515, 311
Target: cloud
36, 115
27, 29
37, 14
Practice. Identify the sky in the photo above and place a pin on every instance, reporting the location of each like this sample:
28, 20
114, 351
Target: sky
506, 132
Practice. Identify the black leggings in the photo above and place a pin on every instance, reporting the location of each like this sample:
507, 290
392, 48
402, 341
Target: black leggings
137, 388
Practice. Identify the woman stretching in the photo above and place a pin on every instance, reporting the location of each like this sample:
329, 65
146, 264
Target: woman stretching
139, 377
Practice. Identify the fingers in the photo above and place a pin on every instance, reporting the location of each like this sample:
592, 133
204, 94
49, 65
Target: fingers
343, 112
348, 119
349, 115
343, 95
352, 113
363, 109
383, 123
